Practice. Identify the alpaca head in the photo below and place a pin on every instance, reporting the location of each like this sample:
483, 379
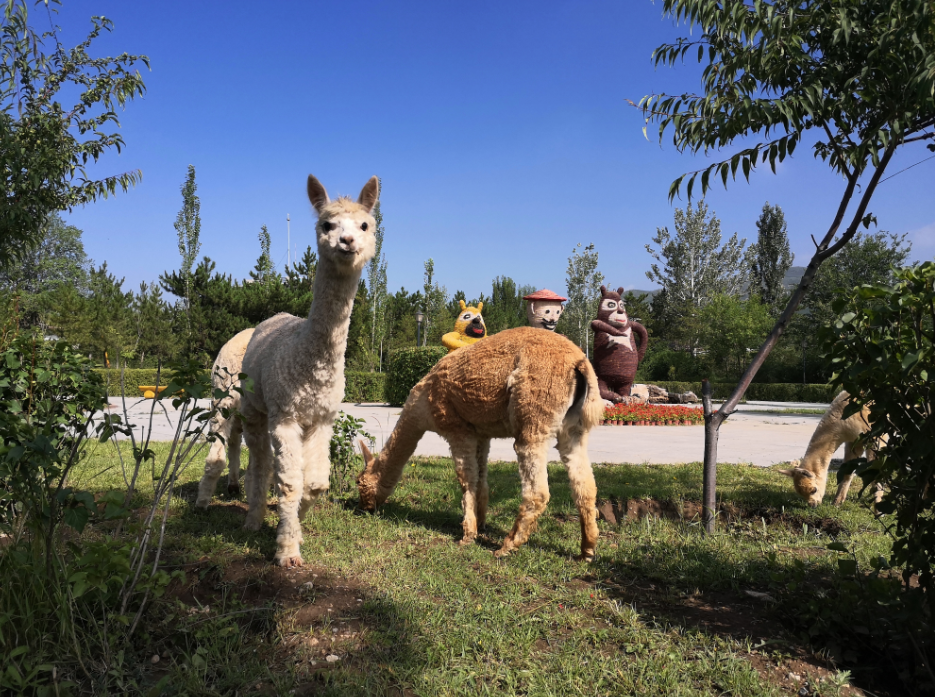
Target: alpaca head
807, 484
611, 309
470, 322
345, 228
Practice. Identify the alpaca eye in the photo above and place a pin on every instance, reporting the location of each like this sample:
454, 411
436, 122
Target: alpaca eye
547, 311
363, 226
327, 227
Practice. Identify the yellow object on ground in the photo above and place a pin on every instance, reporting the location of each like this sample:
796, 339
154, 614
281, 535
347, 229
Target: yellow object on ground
149, 391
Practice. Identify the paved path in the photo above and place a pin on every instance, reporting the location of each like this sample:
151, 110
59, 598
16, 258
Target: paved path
751, 435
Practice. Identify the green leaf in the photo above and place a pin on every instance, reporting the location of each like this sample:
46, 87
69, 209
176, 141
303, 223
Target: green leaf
837, 547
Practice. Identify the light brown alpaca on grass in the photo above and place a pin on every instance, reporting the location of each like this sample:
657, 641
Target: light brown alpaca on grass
524, 384
810, 477
224, 376
297, 368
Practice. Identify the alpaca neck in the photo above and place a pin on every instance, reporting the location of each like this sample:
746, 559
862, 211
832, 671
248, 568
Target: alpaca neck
388, 466
329, 318
821, 449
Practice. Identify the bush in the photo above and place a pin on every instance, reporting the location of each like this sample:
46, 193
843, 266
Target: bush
364, 387
407, 367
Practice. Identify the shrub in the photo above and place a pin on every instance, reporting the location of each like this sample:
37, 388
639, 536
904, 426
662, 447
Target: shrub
407, 367
364, 387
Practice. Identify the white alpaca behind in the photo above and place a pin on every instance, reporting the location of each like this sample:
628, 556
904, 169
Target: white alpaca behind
810, 477
297, 368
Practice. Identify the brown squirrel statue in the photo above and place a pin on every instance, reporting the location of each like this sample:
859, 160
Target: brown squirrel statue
619, 346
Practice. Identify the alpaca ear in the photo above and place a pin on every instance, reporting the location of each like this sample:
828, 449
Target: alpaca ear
317, 194
803, 473
480, 307
365, 451
369, 194
463, 306
787, 473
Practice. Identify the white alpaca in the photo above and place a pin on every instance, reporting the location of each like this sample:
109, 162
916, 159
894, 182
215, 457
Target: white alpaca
224, 376
810, 477
297, 368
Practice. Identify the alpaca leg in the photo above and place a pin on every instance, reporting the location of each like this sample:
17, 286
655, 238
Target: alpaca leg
534, 478
287, 436
851, 451
215, 462
573, 447
464, 453
259, 473
483, 492
317, 464
233, 456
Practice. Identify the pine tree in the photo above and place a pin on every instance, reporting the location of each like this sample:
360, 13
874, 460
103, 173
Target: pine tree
376, 281
771, 257
188, 227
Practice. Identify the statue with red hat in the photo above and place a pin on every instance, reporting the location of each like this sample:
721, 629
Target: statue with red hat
543, 308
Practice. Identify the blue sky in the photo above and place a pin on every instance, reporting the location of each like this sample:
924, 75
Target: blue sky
501, 132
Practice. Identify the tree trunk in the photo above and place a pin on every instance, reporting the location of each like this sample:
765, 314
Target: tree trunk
824, 250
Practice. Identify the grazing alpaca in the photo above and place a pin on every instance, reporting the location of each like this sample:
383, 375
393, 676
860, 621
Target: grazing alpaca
297, 368
522, 383
224, 376
810, 477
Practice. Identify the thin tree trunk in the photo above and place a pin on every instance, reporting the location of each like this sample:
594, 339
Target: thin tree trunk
824, 250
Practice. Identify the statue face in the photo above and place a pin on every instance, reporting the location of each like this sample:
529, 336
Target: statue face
612, 310
544, 314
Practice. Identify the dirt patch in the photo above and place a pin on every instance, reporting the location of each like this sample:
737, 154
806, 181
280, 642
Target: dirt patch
615, 511
796, 674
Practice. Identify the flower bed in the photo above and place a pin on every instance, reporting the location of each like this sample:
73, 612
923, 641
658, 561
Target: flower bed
651, 415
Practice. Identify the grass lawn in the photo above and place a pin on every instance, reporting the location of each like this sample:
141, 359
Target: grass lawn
389, 604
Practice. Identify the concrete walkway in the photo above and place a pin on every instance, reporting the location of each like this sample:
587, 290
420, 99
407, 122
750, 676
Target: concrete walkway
752, 435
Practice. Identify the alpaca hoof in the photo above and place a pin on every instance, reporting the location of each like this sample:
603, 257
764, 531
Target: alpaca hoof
252, 525
201, 505
465, 541
289, 562
586, 557
502, 552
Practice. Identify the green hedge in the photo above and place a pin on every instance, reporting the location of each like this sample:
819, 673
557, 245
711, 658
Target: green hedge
364, 387
407, 367
760, 391
359, 387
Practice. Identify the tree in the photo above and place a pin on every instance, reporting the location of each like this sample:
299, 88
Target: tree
583, 281
152, 319
435, 299
883, 347
264, 264
695, 267
45, 148
506, 308
771, 256
376, 281
730, 329
860, 74
188, 226
59, 259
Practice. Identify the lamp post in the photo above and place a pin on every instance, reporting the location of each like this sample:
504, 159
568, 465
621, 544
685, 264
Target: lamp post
419, 318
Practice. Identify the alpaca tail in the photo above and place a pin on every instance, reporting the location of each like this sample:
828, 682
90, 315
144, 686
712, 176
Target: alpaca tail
587, 401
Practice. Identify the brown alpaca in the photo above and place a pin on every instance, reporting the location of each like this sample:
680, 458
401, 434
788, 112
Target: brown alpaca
524, 384
810, 477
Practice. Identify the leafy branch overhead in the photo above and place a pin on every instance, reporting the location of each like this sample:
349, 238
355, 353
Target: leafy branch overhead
45, 147
859, 73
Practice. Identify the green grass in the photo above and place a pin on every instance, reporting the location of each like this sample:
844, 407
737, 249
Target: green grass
439, 619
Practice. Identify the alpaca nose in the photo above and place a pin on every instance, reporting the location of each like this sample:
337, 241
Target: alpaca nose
347, 240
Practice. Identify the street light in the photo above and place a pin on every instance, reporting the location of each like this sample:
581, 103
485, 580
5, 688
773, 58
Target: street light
419, 318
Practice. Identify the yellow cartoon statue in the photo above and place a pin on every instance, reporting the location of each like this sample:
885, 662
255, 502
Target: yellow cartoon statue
469, 328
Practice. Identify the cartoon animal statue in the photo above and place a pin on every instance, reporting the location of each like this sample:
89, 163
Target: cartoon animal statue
469, 328
619, 346
543, 308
